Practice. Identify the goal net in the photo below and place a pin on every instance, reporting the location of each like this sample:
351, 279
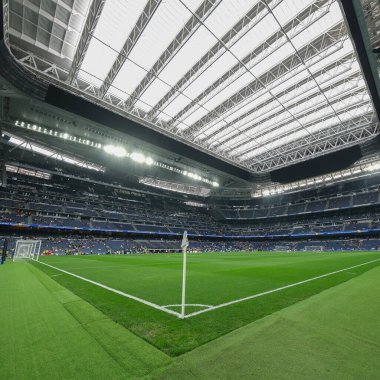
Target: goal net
282, 248
314, 248
27, 249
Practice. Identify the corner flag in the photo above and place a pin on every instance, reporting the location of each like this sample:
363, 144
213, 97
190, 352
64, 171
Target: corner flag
184, 246
185, 242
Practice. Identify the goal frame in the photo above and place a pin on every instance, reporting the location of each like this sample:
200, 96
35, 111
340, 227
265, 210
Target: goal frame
314, 248
282, 248
32, 253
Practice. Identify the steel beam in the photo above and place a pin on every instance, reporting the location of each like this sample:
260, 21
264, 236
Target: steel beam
191, 26
278, 120
356, 25
351, 109
307, 142
142, 22
95, 10
295, 26
328, 145
316, 47
371, 13
336, 130
291, 43
246, 23
323, 75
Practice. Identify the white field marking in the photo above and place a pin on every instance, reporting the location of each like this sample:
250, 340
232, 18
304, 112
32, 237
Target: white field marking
274, 290
148, 303
99, 268
188, 304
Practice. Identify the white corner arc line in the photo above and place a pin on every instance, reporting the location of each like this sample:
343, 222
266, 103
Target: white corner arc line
275, 290
188, 304
148, 303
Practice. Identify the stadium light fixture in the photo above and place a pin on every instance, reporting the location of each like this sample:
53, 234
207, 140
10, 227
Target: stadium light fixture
197, 177
362, 169
141, 158
149, 161
51, 153
117, 151
63, 135
175, 186
195, 204
138, 157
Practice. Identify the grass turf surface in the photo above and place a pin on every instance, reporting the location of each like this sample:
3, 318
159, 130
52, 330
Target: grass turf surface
332, 335
47, 332
212, 279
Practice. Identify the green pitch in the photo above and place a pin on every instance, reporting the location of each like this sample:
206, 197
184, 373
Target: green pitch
212, 279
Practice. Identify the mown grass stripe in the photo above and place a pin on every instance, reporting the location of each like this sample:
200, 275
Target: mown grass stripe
275, 290
145, 302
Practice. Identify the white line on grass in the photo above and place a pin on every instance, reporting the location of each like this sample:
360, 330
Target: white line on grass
208, 307
274, 290
148, 303
188, 304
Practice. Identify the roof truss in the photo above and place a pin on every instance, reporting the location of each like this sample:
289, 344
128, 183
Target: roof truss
296, 94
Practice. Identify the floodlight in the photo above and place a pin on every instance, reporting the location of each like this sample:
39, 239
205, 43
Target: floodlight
117, 151
65, 136
215, 184
149, 161
138, 157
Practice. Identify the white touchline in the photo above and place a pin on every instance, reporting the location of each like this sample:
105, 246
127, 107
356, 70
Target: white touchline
273, 290
148, 303
208, 307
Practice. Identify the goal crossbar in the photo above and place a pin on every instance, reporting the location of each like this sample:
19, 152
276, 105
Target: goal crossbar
314, 248
27, 250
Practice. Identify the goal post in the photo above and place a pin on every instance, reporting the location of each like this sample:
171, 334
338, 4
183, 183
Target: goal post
282, 248
27, 250
314, 248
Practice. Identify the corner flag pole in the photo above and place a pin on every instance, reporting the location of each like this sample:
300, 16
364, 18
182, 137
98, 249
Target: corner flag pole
184, 245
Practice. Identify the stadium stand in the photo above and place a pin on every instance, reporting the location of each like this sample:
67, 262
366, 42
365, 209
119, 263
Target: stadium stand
35, 205
89, 245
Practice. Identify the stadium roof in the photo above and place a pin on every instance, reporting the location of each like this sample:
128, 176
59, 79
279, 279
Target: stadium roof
261, 84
